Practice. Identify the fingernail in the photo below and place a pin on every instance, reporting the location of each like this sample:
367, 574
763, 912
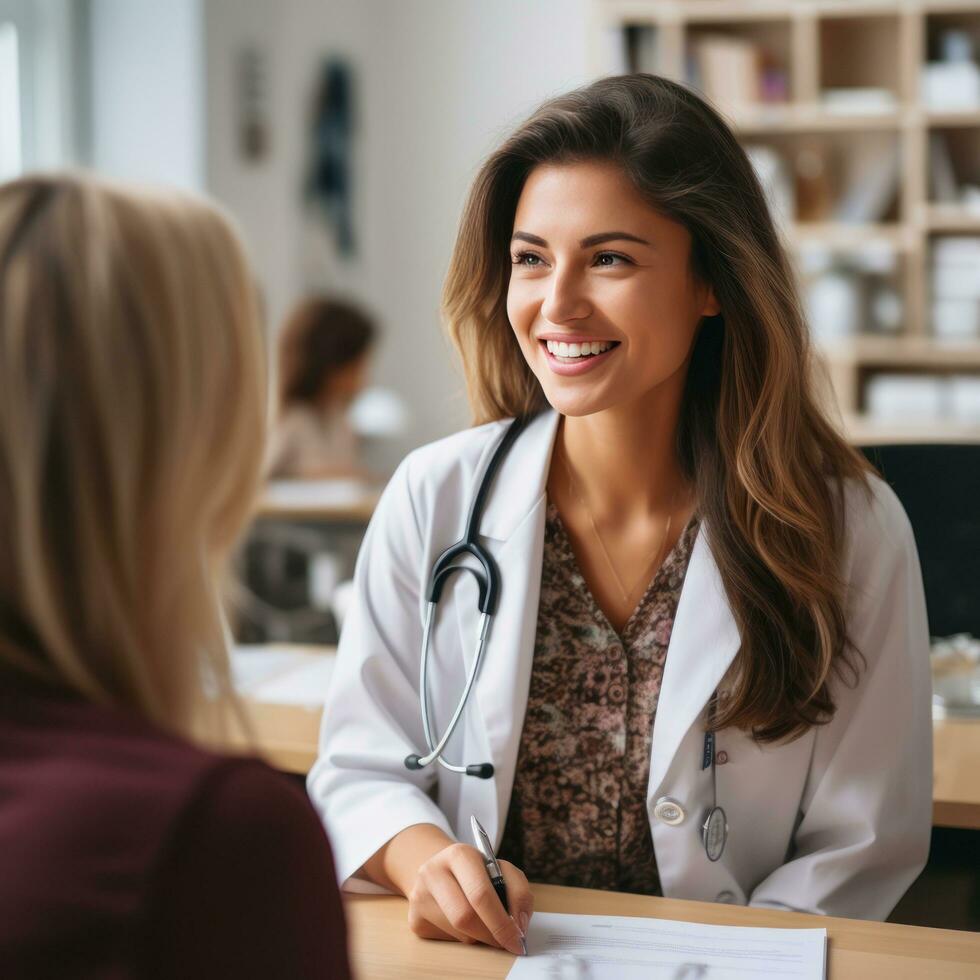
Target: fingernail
518, 948
522, 920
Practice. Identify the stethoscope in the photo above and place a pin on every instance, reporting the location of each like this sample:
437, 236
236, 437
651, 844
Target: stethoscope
714, 830
488, 582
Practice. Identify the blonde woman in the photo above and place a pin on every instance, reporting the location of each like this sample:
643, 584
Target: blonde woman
131, 419
710, 612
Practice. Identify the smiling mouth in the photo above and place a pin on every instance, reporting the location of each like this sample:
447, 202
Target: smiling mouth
578, 351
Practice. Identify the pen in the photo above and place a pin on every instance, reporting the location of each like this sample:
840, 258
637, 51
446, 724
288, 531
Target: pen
493, 869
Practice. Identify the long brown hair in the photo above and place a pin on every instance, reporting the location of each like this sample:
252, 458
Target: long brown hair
132, 415
767, 467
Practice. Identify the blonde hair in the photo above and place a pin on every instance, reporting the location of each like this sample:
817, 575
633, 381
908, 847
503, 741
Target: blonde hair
767, 466
132, 417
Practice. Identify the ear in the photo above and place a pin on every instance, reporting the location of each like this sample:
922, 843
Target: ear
711, 305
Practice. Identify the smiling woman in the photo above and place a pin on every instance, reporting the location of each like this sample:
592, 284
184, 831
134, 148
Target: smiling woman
710, 611
629, 289
632, 292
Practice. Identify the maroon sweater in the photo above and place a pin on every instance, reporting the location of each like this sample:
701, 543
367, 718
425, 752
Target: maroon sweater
125, 852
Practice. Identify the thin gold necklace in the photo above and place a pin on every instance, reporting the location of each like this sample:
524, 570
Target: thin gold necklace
612, 568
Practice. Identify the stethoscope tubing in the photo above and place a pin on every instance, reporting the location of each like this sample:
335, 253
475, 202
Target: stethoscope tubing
435, 751
488, 584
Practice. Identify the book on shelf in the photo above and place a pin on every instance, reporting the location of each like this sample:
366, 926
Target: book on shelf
858, 101
871, 182
942, 176
727, 70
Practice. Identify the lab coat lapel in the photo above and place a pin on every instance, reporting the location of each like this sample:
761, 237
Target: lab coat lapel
513, 530
522, 478
703, 643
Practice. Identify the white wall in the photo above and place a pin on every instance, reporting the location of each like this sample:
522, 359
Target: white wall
440, 82
264, 195
147, 90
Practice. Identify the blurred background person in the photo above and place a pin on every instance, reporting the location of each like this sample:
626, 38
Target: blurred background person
324, 352
132, 406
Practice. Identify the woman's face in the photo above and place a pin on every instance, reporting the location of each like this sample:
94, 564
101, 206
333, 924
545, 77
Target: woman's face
593, 262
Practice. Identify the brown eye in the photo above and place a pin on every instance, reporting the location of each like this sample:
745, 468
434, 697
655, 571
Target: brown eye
609, 260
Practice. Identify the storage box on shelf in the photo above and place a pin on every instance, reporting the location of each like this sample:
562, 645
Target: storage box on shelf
955, 279
951, 74
862, 119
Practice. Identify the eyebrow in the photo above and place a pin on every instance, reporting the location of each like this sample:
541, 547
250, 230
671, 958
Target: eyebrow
600, 239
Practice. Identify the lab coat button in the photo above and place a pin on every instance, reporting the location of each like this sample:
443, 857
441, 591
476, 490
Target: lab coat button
726, 897
721, 757
669, 811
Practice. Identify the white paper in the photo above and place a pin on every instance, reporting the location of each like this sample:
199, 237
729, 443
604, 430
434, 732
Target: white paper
312, 494
603, 947
253, 664
306, 686
282, 674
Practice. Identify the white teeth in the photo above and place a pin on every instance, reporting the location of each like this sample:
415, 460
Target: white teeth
561, 349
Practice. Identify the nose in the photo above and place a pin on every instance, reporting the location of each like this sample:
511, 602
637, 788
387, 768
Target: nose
566, 298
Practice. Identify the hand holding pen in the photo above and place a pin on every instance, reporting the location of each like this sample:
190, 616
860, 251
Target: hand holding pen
451, 897
485, 848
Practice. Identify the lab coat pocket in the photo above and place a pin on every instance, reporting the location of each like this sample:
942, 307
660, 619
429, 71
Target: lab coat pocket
760, 787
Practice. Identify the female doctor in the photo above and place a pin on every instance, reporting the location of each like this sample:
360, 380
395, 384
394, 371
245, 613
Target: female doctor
708, 606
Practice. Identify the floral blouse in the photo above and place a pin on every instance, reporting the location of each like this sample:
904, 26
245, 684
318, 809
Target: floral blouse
578, 812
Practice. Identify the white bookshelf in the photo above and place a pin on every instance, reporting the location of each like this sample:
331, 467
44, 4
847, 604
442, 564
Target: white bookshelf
814, 46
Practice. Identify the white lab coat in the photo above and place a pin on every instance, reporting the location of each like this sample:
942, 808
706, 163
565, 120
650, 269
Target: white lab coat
836, 822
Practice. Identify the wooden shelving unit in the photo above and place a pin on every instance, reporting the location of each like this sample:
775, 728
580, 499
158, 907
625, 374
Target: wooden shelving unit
817, 45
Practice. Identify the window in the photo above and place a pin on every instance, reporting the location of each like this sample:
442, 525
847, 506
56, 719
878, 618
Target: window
10, 121
42, 84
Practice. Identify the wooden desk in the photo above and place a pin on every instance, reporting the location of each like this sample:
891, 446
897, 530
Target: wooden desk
956, 777
329, 501
281, 686
287, 735
383, 947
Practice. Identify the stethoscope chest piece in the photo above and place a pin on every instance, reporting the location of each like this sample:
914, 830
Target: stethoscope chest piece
714, 833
